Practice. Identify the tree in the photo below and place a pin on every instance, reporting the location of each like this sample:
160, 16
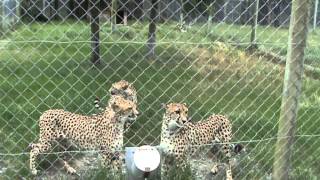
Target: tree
95, 30
292, 87
152, 29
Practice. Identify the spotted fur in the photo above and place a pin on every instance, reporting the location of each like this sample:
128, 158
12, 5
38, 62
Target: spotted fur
180, 138
103, 132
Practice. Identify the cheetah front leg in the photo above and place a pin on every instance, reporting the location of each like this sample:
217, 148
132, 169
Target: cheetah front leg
112, 162
226, 149
37, 149
165, 167
118, 162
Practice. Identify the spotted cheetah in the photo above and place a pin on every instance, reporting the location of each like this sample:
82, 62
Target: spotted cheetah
121, 88
103, 132
178, 146
125, 89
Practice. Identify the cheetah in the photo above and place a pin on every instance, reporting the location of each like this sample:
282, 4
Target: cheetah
103, 132
125, 89
180, 137
121, 88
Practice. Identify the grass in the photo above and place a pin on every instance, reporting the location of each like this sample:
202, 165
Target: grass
38, 73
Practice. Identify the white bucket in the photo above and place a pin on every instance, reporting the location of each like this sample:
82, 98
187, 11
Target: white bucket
141, 162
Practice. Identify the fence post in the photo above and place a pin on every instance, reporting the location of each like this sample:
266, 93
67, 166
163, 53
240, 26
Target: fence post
95, 30
315, 15
152, 29
253, 38
292, 87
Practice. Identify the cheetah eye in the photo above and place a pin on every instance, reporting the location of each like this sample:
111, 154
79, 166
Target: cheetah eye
177, 111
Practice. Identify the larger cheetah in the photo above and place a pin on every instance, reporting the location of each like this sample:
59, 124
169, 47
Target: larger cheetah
103, 132
177, 146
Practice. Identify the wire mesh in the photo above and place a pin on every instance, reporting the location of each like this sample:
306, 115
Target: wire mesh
200, 53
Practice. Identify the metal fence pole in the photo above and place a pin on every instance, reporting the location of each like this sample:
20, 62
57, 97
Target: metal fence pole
210, 12
315, 15
292, 87
253, 38
114, 11
18, 10
181, 12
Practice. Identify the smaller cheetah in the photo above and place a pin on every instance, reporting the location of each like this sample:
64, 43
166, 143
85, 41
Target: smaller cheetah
121, 88
103, 132
180, 138
125, 89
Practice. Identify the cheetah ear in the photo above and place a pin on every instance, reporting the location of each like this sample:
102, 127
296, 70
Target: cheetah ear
185, 104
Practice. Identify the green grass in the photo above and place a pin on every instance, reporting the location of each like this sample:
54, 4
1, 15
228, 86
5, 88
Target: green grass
37, 73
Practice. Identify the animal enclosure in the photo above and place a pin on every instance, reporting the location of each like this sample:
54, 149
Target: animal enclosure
230, 57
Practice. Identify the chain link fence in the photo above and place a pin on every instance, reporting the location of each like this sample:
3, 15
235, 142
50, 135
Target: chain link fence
219, 57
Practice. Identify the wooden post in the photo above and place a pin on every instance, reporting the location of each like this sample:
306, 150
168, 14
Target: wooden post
292, 87
151, 44
95, 30
253, 38
315, 15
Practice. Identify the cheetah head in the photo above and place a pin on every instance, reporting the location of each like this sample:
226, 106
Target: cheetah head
125, 89
123, 108
177, 115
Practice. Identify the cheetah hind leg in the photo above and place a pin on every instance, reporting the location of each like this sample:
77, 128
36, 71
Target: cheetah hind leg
228, 165
37, 149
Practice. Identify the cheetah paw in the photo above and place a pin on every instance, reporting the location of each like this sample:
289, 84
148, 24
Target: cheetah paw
34, 172
71, 170
214, 170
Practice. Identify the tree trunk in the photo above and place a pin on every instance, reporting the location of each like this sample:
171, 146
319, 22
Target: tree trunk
152, 29
254, 24
95, 30
292, 88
